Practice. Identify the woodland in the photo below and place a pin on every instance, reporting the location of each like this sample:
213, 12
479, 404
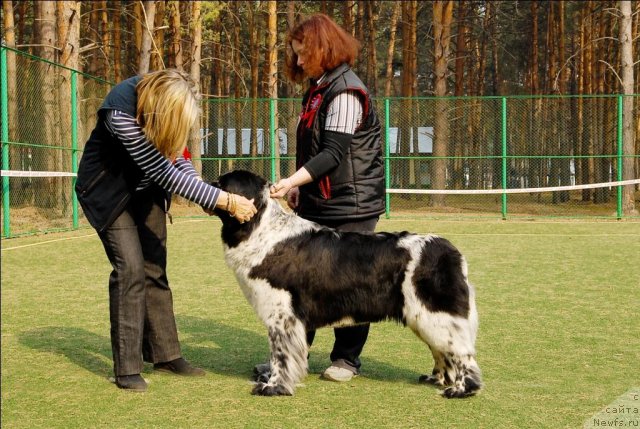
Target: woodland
466, 48
409, 48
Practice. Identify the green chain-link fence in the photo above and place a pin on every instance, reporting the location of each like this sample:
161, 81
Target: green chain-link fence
455, 144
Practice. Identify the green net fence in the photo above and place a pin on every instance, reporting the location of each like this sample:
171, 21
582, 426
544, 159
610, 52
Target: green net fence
473, 148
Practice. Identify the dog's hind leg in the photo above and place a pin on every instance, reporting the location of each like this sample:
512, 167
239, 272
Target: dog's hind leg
451, 341
288, 343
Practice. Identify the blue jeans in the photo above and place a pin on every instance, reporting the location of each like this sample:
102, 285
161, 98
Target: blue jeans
140, 302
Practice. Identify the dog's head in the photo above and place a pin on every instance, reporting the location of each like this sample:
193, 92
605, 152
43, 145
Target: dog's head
250, 186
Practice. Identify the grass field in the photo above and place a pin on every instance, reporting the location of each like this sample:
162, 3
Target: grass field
559, 337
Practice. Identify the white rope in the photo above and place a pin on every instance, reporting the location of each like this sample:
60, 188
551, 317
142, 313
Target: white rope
18, 173
513, 190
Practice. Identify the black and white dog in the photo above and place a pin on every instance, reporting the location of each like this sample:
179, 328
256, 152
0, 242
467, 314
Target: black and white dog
299, 275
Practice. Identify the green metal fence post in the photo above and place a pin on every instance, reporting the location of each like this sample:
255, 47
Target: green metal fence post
387, 173
619, 140
4, 97
272, 125
504, 157
74, 145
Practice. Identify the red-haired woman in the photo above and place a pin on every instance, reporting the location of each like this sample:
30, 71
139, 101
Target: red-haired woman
340, 178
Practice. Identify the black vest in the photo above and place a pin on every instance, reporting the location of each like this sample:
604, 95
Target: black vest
355, 188
107, 175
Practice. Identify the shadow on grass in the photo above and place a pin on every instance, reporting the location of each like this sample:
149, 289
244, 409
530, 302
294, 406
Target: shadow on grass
84, 348
239, 350
215, 347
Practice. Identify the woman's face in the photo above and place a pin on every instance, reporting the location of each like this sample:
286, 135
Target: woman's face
299, 51
310, 70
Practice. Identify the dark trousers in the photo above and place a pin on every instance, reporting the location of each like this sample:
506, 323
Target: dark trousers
140, 302
351, 339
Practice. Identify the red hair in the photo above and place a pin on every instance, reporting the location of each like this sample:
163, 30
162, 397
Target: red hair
325, 44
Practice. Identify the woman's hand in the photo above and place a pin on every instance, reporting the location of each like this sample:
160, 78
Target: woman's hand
242, 209
281, 188
291, 187
293, 198
237, 206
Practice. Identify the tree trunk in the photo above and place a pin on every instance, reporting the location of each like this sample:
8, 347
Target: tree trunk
175, 48
105, 42
496, 89
580, 71
347, 13
147, 36
359, 29
602, 165
442, 17
254, 55
234, 9
404, 174
272, 75
134, 54
536, 178
196, 58
588, 164
371, 55
46, 196
479, 167
458, 147
292, 116
563, 144
9, 39
492, 11
628, 139
68, 27
117, 48
157, 58
22, 6
391, 49
636, 34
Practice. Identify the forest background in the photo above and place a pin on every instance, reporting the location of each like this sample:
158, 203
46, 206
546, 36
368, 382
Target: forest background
236, 48
468, 48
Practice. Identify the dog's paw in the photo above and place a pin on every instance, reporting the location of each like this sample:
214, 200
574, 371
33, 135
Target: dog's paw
432, 380
457, 392
263, 389
262, 378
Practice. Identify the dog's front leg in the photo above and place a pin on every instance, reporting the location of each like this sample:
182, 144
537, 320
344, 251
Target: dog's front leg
288, 343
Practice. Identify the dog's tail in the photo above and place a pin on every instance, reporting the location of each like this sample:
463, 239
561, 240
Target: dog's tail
466, 377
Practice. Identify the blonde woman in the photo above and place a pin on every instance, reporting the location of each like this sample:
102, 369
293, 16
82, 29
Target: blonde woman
131, 165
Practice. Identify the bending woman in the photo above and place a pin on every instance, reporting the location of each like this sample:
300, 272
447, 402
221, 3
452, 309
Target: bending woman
131, 165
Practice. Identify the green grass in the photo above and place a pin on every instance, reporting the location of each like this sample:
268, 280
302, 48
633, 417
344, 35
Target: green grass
559, 337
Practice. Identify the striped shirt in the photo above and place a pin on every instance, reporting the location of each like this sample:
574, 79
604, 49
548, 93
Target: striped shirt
179, 177
344, 113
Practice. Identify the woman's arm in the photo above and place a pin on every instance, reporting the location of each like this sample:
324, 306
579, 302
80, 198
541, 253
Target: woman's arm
158, 168
344, 115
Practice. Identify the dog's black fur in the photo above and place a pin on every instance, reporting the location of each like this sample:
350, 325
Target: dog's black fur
300, 276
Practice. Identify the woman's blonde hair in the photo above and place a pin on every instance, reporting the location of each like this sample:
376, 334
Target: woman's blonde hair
168, 108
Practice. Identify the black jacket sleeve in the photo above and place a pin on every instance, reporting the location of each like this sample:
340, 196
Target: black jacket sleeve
335, 146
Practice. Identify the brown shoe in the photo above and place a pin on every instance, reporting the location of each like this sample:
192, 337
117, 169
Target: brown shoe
180, 367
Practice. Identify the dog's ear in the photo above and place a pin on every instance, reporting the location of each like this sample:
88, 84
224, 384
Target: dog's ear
215, 183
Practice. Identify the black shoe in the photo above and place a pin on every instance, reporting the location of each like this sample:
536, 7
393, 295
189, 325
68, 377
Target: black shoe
180, 367
133, 383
